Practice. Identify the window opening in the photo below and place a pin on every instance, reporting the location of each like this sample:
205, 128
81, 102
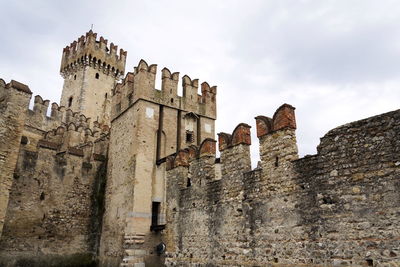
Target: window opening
155, 210
189, 137
24, 140
70, 101
97, 75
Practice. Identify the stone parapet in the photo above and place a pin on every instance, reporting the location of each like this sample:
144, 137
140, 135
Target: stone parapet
337, 207
14, 100
140, 84
88, 51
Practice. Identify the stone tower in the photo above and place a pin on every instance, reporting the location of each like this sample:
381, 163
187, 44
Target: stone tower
147, 125
90, 70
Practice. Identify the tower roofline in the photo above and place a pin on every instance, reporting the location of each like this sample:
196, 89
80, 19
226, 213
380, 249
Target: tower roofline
88, 50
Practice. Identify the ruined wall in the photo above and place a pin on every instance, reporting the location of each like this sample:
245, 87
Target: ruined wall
14, 100
338, 207
55, 209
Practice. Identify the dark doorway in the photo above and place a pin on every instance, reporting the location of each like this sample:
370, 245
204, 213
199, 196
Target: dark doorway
155, 210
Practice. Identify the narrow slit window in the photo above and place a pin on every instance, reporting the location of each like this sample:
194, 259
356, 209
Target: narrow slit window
189, 137
118, 107
97, 75
70, 101
24, 140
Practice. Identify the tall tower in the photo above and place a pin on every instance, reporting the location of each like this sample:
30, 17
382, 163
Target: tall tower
90, 70
148, 125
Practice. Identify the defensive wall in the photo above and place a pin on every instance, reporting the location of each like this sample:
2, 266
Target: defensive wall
339, 207
120, 166
14, 100
53, 173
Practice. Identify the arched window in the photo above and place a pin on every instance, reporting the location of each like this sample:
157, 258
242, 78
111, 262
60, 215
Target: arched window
97, 75
70, 102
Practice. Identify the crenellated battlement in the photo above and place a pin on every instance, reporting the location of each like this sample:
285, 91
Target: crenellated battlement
235, 156
140, 84
90, 51
185, 156
75, 135
59, 116
12, 93
306, 206
283, 118
278, 145
277, 148
76, 141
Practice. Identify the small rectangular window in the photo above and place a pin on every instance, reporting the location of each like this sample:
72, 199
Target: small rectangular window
155, 210
189, 137
118, 107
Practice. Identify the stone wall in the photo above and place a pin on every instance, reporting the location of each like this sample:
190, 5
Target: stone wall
90, 68
89, 88
338, 207
55, 208
14, 101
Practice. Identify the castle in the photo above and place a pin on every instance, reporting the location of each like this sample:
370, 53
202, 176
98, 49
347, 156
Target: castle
123, 174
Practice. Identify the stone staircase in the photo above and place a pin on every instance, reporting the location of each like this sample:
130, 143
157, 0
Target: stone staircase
134, 256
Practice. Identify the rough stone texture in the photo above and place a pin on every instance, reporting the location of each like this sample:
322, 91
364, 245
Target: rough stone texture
90, 70
53, 174
75, 192
53, 207
339, 207
60, 183
14, 100
147, 125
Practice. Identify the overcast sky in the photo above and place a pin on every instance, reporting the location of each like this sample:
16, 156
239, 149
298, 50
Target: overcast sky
335, 61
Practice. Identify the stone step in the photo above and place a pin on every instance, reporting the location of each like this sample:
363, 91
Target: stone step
135, 252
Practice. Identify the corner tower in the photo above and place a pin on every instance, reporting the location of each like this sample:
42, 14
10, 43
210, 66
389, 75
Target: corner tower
90, 69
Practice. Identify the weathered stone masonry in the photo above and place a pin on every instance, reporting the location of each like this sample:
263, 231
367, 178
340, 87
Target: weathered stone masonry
52, 172
63, 168
14, 100
338, 207
118, 166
